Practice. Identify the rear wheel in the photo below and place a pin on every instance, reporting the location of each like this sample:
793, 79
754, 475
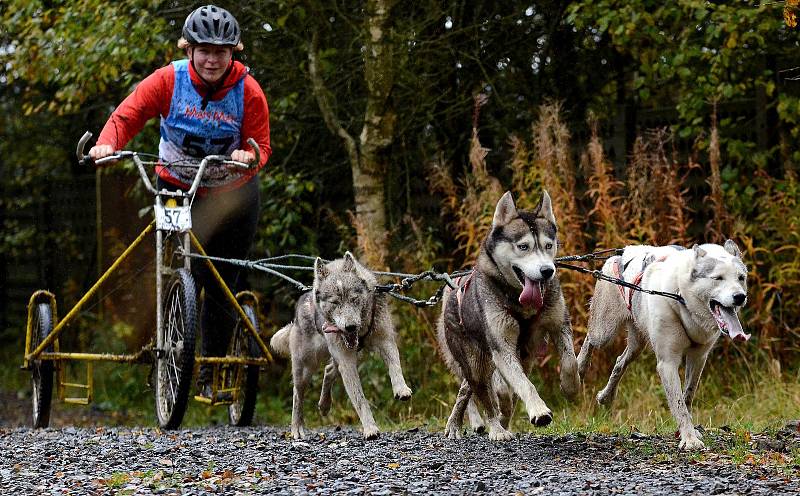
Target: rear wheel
175, 359
42, 377
241, 410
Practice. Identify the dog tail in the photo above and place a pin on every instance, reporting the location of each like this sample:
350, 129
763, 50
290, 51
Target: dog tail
280, 340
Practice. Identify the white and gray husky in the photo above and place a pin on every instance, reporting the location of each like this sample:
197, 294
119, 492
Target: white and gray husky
710, 278
341, 315
492, 326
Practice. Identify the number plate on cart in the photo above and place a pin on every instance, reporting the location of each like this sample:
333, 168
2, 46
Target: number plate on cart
173, 218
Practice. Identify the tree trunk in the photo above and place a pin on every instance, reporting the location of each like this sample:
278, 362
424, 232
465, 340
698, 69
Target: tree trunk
369, 159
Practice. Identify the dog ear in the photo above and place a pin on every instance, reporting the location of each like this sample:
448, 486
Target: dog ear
546, 207
731, 248
349, 262
320, 270
698, 252
504, 211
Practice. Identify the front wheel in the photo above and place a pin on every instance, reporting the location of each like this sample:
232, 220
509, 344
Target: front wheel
42, 370
244, 377
175, 358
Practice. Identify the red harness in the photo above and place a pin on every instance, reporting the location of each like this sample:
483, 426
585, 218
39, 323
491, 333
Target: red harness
462, 283
627, 293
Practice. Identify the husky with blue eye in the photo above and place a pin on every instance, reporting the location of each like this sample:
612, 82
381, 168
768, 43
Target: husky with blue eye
510, 307
712, 283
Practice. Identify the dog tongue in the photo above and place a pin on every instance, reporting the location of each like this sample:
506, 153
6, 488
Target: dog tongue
734, 327
531, 294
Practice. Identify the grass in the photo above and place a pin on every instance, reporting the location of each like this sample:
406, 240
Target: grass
754, 399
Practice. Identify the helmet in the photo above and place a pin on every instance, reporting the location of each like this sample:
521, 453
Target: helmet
211, 24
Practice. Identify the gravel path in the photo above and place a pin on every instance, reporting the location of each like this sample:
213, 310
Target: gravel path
262, 459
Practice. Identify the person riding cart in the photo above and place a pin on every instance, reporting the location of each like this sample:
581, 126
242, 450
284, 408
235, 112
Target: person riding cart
208, 104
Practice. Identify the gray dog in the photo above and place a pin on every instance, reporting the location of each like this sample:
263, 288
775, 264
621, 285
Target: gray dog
333, 322
492, 326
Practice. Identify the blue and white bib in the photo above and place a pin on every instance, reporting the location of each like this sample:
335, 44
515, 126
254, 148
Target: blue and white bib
190, 132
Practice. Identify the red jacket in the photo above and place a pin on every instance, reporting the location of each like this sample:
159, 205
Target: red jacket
152, 98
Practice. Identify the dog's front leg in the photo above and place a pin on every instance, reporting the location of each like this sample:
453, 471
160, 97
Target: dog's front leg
453, 428
668, 363
570, 380
695, 361
507, 362
387, 347
331, 371
348, 368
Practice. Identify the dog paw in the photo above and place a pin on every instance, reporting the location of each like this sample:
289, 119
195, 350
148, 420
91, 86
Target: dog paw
542, 420
298, 433
498, 433
541, 416
478, 427
605, 398
452, 431
403, 393
570, 381
691, 443
371, 433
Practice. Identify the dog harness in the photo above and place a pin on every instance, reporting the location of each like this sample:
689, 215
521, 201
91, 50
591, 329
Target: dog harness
619, 271
463, 283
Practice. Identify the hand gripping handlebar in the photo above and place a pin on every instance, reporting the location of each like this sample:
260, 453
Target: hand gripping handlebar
123, 154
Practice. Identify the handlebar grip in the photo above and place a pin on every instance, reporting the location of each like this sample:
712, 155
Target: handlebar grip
86, 161
256, 151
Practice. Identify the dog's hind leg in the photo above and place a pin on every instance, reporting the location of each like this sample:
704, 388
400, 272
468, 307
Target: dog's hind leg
607, 314
487, 397
584, 357
633, 349
506, 399
348, 368
331, 371
475, 418
453, 428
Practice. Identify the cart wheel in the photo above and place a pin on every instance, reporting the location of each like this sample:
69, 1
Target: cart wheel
42, 378
175, 362
240, 412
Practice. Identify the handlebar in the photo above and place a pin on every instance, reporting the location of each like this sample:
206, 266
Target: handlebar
125, 154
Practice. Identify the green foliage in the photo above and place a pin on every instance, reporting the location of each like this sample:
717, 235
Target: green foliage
66, 53
693, 54
286, 208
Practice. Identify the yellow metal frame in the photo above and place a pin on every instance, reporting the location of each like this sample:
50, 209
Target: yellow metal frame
142, 356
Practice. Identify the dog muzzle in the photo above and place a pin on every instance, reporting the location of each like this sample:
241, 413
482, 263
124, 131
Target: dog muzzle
350, 339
